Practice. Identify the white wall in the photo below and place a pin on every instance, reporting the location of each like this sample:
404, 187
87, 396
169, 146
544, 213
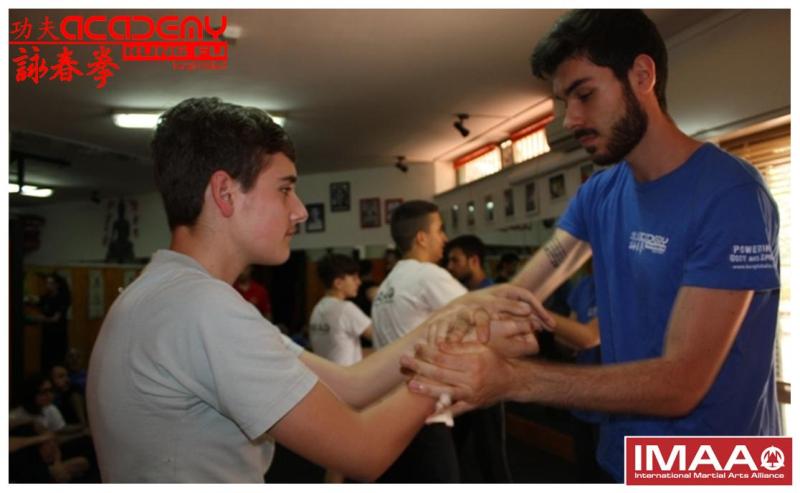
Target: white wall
343, 229
73, 231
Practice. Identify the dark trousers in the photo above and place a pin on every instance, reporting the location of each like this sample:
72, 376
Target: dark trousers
429, 458
480, 441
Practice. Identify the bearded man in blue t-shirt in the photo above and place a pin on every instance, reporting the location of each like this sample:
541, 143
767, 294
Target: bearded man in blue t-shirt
684, 240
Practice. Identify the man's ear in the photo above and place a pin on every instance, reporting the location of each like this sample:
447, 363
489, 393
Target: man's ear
642, 74
222, 188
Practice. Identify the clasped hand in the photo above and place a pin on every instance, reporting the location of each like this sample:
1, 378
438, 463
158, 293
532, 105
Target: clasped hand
472, 345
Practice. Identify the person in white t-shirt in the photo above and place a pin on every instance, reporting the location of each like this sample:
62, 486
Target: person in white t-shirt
415, 288
187, 381
337, 325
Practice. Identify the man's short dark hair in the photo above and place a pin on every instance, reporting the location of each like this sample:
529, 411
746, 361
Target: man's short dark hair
471, 245
408, 219
606, 37
200, 136
334, 266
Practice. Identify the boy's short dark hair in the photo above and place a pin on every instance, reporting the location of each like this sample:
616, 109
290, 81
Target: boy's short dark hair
471, 245
334, 266
408, 219
199, 136
608, 38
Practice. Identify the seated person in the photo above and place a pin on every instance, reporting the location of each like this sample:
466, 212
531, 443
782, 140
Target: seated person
69, 402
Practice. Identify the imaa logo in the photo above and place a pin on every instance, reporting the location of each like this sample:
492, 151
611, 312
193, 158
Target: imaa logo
708, 460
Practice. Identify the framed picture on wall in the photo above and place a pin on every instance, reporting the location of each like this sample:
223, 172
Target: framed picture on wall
370, 212
390, 205
586, 172
471, 213
508, 197
558, 188
340, 196
454, 217
488, 205
316, 218
531, 198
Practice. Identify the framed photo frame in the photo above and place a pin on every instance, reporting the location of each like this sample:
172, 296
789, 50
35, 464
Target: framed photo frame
471, 213
531, 198
370, 212
454, 217
316, 218
508, 197
340, 196
488, 206
390, 205
558, 187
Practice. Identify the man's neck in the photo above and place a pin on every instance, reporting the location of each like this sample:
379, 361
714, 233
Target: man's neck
663, 149
476, 280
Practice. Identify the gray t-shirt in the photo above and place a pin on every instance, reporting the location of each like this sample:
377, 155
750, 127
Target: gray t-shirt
184, 376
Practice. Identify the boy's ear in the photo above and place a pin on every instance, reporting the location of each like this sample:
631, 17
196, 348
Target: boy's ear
421, 238
222, 187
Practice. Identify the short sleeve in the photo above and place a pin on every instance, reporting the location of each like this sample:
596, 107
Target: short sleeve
292, 346
573, 221
353, 320
736, 245
250, 371
441, 288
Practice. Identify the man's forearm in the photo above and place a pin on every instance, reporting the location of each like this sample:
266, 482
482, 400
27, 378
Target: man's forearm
654, 387
552, 264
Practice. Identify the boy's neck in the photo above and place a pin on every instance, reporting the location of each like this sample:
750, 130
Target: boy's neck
418, 254
335, 293
220, 259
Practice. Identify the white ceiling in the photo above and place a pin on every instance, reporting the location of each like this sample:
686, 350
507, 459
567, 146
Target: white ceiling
358, 87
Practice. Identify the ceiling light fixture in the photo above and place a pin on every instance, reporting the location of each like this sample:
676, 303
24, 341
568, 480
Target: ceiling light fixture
401, 165
136, 120
459, 124
149, 119
30, 190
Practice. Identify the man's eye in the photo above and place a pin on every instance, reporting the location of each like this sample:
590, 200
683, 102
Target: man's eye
585, 96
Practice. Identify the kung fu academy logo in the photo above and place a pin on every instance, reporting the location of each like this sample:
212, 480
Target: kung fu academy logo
708, 460
45, 50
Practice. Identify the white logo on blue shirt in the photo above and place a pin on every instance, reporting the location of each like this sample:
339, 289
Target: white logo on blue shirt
752, 257
641, 241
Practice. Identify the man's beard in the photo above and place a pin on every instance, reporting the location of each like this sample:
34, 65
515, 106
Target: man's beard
626, 132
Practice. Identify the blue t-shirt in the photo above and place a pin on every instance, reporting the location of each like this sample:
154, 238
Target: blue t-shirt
583, 301
709, 223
